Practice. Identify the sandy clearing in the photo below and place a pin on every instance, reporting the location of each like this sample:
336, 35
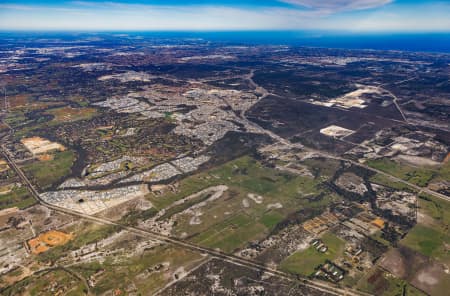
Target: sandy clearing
256, 198
274, 206
37, 145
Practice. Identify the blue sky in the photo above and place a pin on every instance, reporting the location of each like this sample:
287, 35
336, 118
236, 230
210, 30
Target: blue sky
204, 15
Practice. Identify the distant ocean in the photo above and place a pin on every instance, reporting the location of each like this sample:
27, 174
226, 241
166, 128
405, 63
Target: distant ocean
424, 42
431, 42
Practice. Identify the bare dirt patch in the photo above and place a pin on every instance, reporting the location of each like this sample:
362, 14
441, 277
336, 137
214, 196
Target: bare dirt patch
419, 270
394, 263
418, 161
352, 183
45, 157
6, 214
69, 114
256, 198
431, 279
336, 131
3, 165
47, 240
19, 100
38, 145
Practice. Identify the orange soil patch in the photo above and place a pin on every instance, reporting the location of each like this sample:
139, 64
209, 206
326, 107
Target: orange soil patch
45, 157
47, 240
5, 214
77, 98
40, 105
320, 223
67, 114
12, 278
38, 145
24, 101
6, 189
18, 100
3, 126
378, 223
9, 211
157, 152
447, 158
3, 165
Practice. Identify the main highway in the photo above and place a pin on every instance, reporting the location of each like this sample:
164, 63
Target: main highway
320, 286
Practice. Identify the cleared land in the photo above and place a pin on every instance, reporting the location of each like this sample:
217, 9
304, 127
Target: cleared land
48, 283
430, 236
3, 165
419, 176
149, 271
234, 219
47, 240
45, 173
336, 131
304, 262
379, 282
69, 114
16, 197
38, 145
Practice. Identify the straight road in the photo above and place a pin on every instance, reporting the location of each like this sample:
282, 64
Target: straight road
321, 286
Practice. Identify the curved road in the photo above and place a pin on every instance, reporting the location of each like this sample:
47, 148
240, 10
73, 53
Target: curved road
321, 286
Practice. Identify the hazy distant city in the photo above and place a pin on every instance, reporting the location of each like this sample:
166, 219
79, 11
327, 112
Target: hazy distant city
257, 163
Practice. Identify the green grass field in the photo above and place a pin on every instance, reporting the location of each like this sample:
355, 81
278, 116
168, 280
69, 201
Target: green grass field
271, 219
18, 197
69, 114
386, 181
437, 209
443, 173
428, 241
231, 234
135, 270
401, 287
418, 176
226, 223
305, 262
84, 233
54, 282
45, 173
245, 174
325, 167
387, 285
431, 236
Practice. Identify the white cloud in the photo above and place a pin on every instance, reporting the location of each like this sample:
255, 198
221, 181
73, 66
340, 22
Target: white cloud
120, 16
338, 5
16, 7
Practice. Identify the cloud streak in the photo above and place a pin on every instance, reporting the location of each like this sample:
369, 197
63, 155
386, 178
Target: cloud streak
338, 5
318, 15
